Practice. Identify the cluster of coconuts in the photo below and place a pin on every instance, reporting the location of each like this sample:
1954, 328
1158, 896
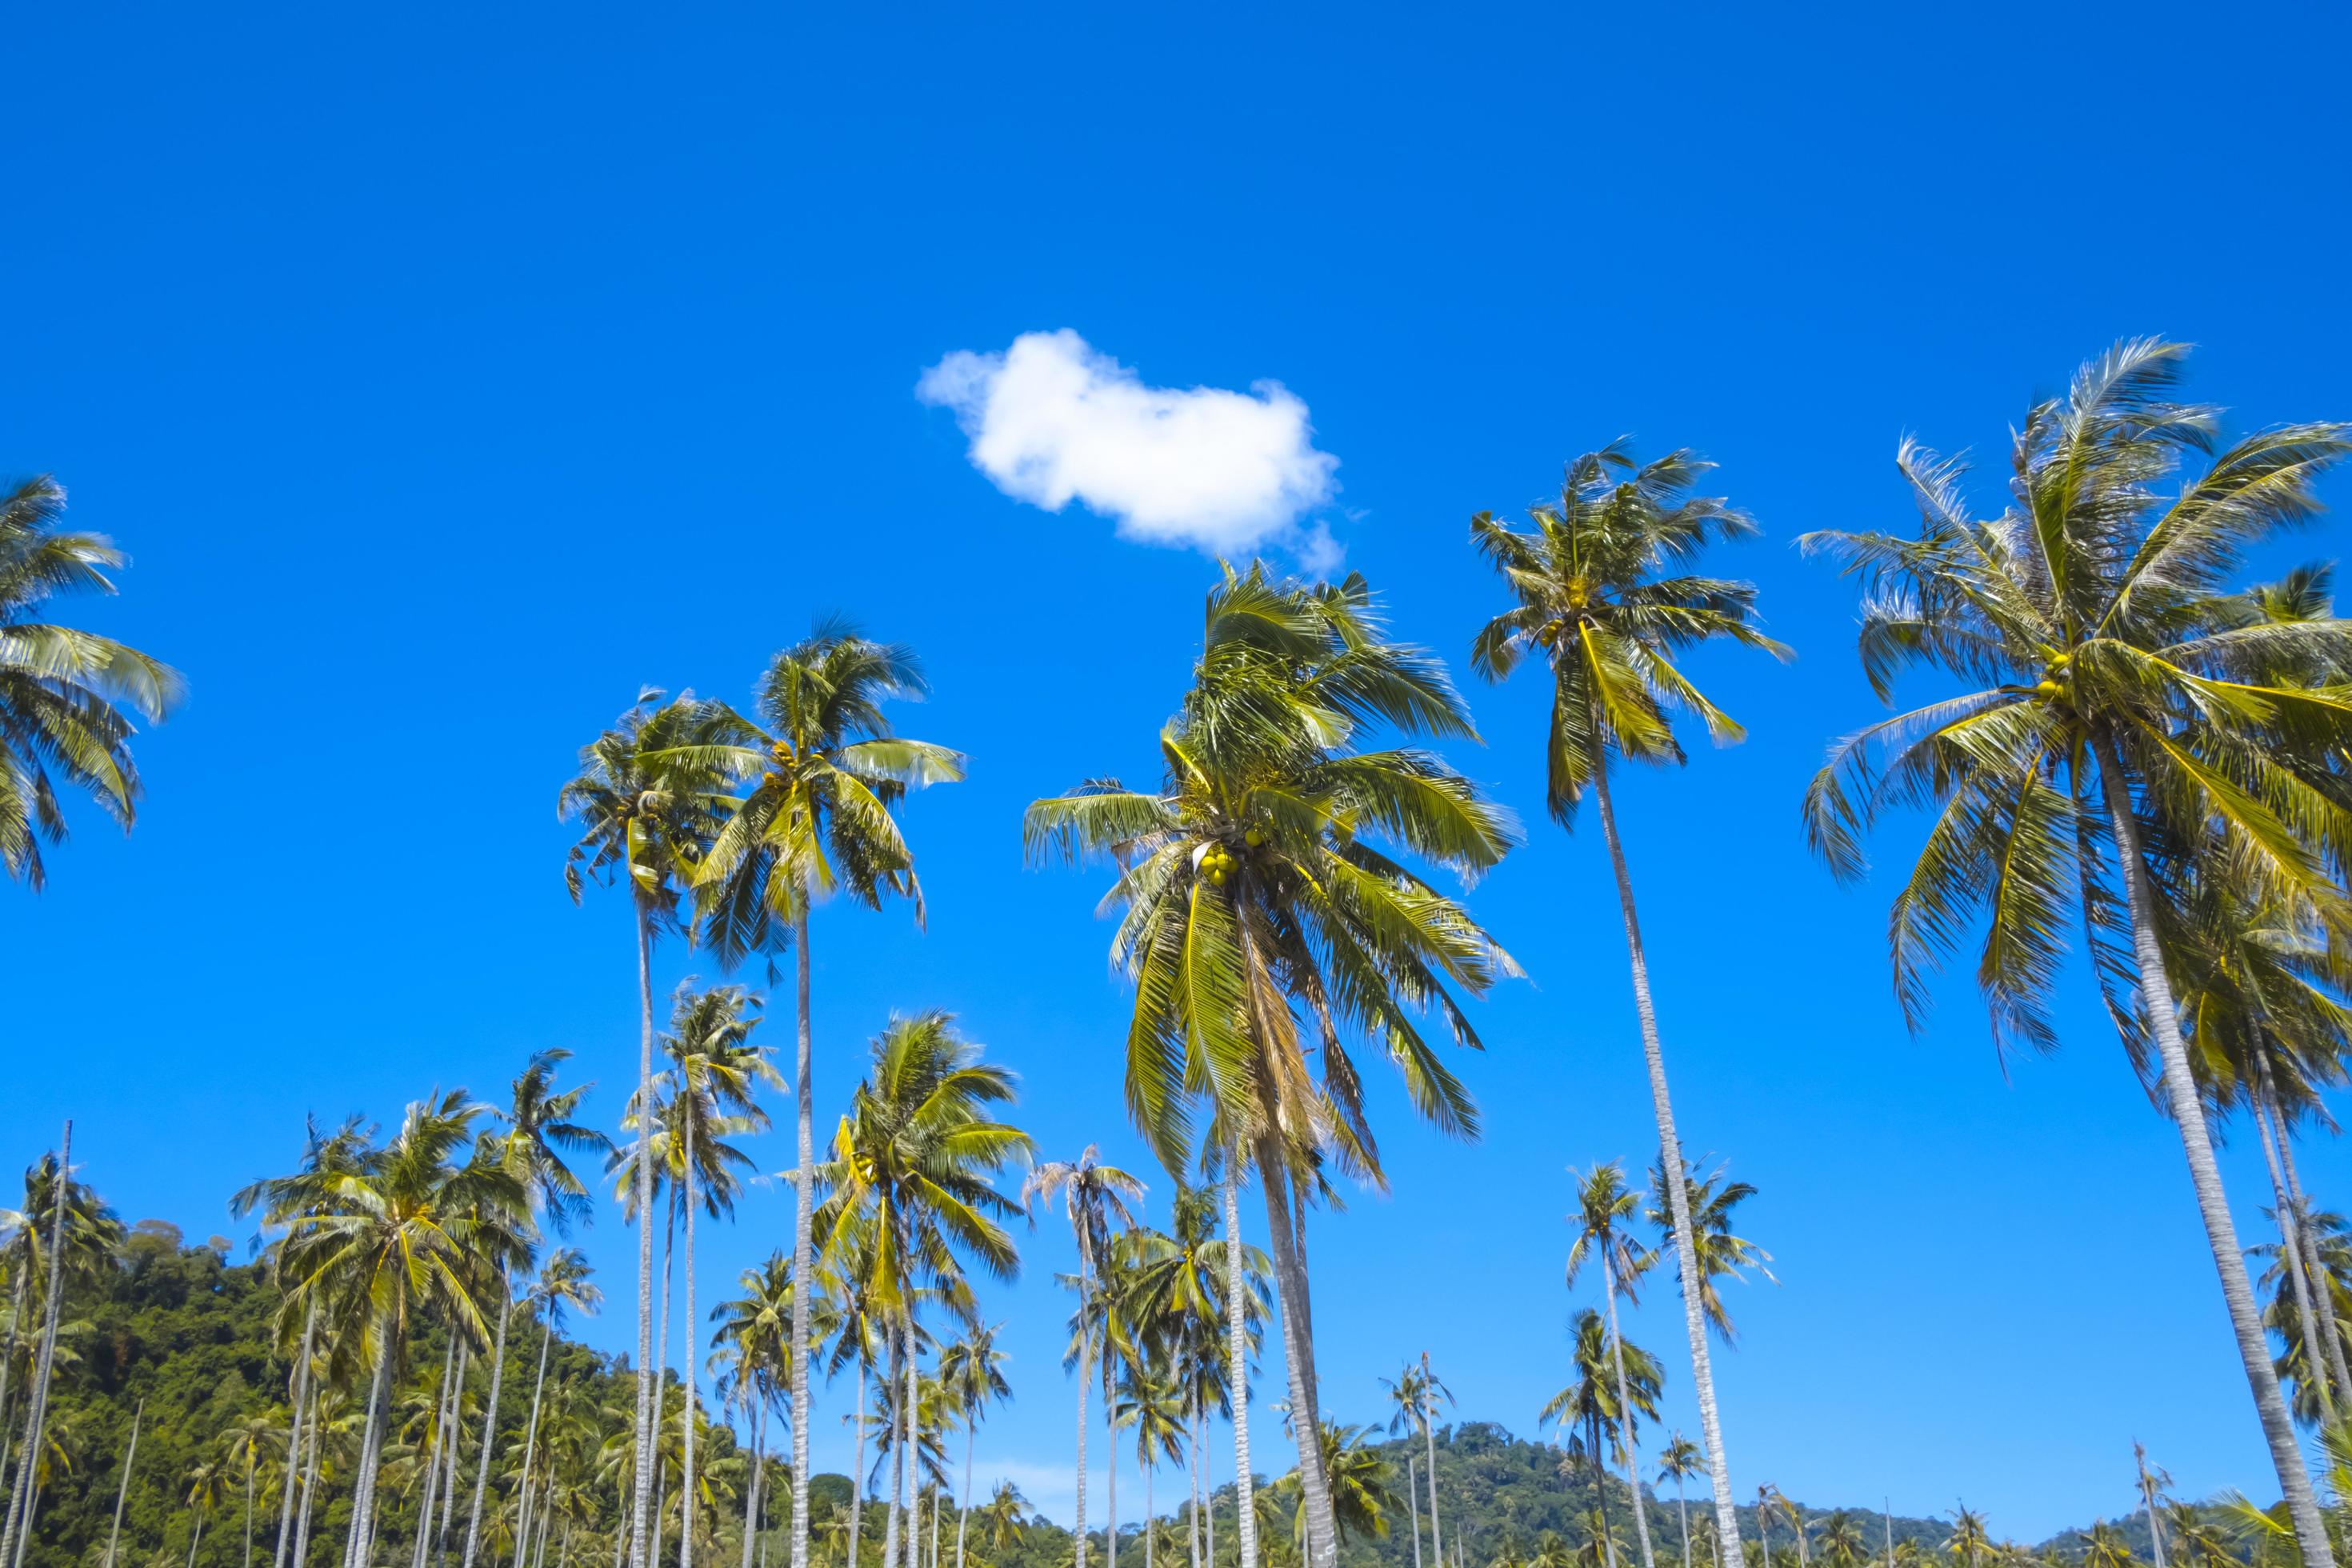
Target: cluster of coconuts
1217, 862
2048, 685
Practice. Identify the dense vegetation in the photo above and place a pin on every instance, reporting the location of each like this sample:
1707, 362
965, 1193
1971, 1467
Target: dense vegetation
2133, 749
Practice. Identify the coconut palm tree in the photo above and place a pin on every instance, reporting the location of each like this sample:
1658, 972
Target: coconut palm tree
1408, 1413
1149, 1401
417, 1231
1361, 1490
1597, 1418
825, 771
2130, 706
207, 1487
753, 1343
649, 809
1263, 930
243, 1445
1604, 594
1678, 1461
1967, 1543
972, 1370
1095, 1196
563, 1282
63, 1212
63, 692
1721, 1255
542, 1127
1604, 1207
911, 1198
1003, 1518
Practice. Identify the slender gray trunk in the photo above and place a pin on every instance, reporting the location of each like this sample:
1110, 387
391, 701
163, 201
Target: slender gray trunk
355, 1543
1670, 1151
1600, 1464
456, 1447
641, 1489
936, 1497
429, 1475
661, 1493
490, 1428
1149, 1518
529, 1451
293, 1440
1085, 1377
2205, 1175
37, 1408
858, 1471
1298, 1354
2315, 1275
1682, 1507
122, 1488
1763, 1529
803, 1263
8, 1356
1237, 1372
1110, 1457
661, 1378
300, 1557
759, 1461
2299, 1288
963, 1508
197, 1535
910, 1478
1429, 1442
1193, 1472
896, 1475
2148, 1495
1413, 1502
693, 1374
1625, 1408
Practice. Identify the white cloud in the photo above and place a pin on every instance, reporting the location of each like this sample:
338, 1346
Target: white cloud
1052, 421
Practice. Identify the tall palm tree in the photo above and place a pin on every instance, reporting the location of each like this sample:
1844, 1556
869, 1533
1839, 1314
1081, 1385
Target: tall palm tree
1004, 1519
648, 810
753, 1340
243, 1447
825, 771
56, 1263
972, 1370
1604, 594
542, 1126
1262, 928
1590, 1409
1721, 1254
1678, 1461
1148, 1400
912, 1177
1362, 1496
1407, 1412
63, 692
563, 1283
417, 1231
1604, 1207
2132, 706
1096, 1198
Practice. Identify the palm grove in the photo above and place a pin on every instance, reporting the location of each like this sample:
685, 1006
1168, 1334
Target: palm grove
2134, 752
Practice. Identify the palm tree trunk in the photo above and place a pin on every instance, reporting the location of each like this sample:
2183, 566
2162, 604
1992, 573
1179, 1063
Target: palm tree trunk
1682, 1506
457, 1441
751, 1502
122, 1488
293, 1440
529, 1451
2314, 1277
1601, 1486
661, 1375
858, 1482
1429, 1444
963, 1509
1625, 1408
693, 1375
2204, 1174
299, 1556
197, 1535
8, 1357
490, 1425
641, 1489
1413, 1502
1111, 1460
1763, 1527
897, 1472
2315, 1367
1148, 1519
429, 1475
910, 1480
1086, 1376
661, 1497
1236, 1371
37, 1408
803, 1264
937, 1495
364, 1482
1669, 1150
1192, 1471
1298, 1354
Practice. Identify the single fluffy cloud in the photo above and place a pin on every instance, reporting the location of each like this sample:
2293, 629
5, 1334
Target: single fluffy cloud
1052, 421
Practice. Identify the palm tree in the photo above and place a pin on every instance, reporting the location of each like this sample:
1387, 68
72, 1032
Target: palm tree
563, 1282
1096, 1198
825, 770
1361, 1495
1721, 1255
1969, 1541
2105, 1548
1148, 1400
414, 1231
1004, 1524
542, 1127
1603, 1206
1262, 929
648, 810
1595, 1414
972, 1370
242, 1447
1602, 592
1678, 1461
61, 1193
911, 1179
1407, 1412
62, 692
753, 1342
207, 1485
1843, 1545
2133, 705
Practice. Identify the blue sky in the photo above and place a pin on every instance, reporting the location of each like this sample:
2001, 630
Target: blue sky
451, 376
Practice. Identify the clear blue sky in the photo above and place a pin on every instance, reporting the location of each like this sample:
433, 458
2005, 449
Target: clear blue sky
450, 377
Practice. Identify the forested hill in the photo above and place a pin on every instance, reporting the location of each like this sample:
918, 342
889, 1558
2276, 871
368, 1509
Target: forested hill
179, 1336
